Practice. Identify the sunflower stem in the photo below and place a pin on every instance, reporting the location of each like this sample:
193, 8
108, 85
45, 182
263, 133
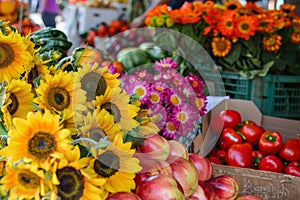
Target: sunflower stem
88, 140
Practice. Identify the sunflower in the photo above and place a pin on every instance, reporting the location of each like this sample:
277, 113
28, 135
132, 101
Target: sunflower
25, 182
246, 26
94, 80
116, 164
39, 68
99, 125
296, 24
13, 56
36, 139
221, 46
272, 42
58, 92
116, 103
74, 182
226, 23
67, 120
295, 37
18, 101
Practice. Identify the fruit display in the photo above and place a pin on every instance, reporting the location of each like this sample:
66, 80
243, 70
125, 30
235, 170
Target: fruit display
106, 30
246, 144
27, 26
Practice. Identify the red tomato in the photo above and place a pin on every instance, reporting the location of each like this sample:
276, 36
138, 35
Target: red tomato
252, 133
239, 155
215, 160
290, 150
293, 168
90, 37
229, 137
270, 163
103, 30
225, 119
270, 143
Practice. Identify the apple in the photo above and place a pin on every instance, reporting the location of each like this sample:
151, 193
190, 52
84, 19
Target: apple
185, 173
178, 149
123, 196
203, 166
155, 147
159, 186
225, 186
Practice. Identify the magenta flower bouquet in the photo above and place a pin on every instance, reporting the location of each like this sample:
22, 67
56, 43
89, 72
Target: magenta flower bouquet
176, 103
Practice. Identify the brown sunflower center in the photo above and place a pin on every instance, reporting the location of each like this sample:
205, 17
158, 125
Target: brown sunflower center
7, 55
14, 105
28, 179
107, 164
71, 183
221, 45
58, 98
41, 145
94, 84
33, 74
112, 109
97, 133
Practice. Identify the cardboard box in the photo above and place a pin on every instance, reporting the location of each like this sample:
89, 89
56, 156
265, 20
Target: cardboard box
267, 185
89, 17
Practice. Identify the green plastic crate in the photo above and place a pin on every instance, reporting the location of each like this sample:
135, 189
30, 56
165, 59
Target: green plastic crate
274, 95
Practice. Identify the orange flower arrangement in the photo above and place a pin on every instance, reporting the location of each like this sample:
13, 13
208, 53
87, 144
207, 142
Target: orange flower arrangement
244, 38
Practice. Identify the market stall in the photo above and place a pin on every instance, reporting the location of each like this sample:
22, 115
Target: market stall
148, 113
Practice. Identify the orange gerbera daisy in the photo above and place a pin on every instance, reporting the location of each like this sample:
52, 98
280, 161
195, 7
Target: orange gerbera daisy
189, 17
226, 23
266, 23
296, 24
211, 18
232, 4
220, 46
288, 9
246, 26
272, 42
295, 37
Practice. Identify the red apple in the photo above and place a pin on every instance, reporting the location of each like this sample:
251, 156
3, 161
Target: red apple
248, 197
225, 186
178, 149
159, 186
155, 147
209, 191
185, 173
123, 196
203, 166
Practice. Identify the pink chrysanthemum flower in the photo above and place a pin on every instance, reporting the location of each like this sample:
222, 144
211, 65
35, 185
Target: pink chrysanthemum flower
201, 103
187, 116
169, 131
195, 82
165, 63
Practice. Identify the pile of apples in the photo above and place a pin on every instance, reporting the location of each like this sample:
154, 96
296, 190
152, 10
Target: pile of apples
170, 172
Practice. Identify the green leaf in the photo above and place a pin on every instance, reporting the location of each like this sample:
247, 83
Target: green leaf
234, 54
134, 136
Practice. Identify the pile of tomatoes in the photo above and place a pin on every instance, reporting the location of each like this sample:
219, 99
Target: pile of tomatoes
106, 30
248, 145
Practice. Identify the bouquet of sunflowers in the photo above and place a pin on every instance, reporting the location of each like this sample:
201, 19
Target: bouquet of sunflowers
63, 129
242, 38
